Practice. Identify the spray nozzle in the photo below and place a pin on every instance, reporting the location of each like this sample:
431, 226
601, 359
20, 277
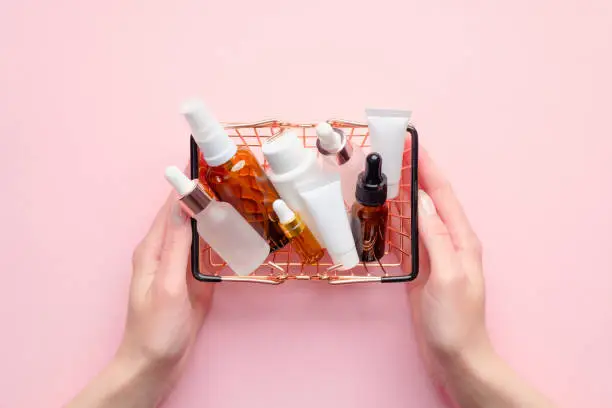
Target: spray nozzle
210, 135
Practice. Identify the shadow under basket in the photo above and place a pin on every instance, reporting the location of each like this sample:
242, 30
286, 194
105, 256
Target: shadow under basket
401, 261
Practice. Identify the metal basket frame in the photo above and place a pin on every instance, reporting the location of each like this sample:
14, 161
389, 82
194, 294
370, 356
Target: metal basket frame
402, 229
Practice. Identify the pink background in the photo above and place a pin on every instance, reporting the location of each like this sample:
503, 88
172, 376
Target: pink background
511, 98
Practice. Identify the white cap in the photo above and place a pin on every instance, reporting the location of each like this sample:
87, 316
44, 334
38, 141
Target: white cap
285, 152
329, 139
285, 215
209, 134
179, 180
349, 260
392, 190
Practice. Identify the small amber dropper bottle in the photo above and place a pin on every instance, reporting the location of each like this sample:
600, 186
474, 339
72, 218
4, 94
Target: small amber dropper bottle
302, 239
370, 211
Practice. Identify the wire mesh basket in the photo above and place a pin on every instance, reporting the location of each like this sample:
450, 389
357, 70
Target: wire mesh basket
400, 262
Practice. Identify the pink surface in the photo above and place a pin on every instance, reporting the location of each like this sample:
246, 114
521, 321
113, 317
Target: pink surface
511, 98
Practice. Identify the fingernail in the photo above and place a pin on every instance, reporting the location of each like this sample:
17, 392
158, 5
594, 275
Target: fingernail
426, 204
177, 214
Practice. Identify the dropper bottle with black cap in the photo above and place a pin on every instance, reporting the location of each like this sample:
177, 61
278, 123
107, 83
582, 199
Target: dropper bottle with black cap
370, 211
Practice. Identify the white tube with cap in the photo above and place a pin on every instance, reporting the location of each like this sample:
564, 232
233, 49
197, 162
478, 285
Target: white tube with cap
324, 202
291, 164
387, 136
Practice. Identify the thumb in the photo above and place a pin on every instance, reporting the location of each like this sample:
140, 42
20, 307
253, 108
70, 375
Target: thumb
175, 250
435, 236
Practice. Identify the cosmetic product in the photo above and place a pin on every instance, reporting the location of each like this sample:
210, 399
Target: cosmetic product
302, 240
370, 211
323, 199
340, 155
234, 174
387, 136
291, 164
220, 225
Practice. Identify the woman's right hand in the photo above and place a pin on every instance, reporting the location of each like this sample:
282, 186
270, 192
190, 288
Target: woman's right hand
448, 299
448, 305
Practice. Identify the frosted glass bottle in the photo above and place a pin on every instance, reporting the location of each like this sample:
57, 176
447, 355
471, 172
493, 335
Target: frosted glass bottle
232, 237
221, 225
339, 155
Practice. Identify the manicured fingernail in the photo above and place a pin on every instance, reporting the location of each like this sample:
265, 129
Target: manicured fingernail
177, 214
426, 204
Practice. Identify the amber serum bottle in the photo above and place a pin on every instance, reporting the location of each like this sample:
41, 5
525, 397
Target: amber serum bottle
370, 211
302, 239
234, 174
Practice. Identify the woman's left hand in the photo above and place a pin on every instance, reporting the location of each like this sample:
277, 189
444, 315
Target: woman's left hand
166, 310
167, 306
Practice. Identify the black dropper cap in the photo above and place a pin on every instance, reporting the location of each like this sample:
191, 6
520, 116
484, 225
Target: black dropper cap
372, 183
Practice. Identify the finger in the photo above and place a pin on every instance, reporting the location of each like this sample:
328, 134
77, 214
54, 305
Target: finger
424, 266
151, 245
145, 259
175, 251
200, 293
436, 239
147, 254
449, 209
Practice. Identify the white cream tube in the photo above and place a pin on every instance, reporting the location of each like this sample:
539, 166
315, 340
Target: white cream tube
387, 136
326, 206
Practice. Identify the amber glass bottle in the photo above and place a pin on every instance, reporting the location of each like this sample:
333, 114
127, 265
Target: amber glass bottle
234, 174
242, 182
370, 211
